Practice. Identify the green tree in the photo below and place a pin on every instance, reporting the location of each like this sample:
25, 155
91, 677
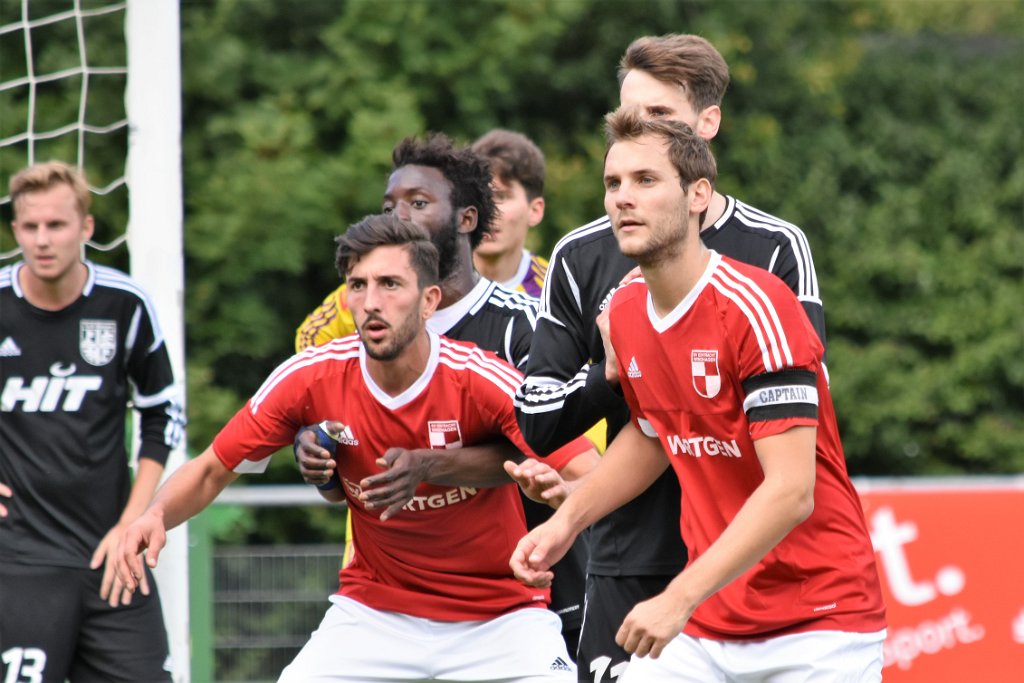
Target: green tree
855, 120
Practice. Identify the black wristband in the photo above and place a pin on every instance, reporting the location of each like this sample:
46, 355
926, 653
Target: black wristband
332, 483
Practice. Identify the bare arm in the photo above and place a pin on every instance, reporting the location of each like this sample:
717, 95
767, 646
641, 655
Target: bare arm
478, 466
187, 492
544, 484
147, 478
784, 499
631, 463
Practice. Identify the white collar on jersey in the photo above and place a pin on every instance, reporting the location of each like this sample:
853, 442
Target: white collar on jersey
446, 318
415, 389
662, 324
90, 280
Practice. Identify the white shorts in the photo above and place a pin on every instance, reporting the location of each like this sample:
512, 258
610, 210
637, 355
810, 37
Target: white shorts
357, 643
813, 657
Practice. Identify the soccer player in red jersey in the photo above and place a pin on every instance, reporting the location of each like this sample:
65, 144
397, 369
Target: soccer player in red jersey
447, 191
428, 594
723, 375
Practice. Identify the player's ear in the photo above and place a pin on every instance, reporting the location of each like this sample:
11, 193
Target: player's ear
88, 227
467, 219
700, 193
708, 122
430, 300
536, 214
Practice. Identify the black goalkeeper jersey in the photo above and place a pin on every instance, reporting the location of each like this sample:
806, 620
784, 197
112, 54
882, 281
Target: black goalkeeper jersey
565, 391
503, 321
67, 378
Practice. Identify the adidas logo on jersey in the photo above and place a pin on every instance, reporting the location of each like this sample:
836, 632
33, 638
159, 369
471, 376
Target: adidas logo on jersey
347, 437
633, 372
560, 665
9, 348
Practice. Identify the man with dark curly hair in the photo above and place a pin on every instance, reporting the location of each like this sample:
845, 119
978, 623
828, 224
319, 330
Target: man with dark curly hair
447, 191
444, 189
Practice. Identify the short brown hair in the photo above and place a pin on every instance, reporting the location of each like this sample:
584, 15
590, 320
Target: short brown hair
688, 152
387, 229
513, 156
48, 174
687, 61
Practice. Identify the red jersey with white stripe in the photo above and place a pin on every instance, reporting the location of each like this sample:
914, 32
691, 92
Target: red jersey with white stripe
735, 361
445, 555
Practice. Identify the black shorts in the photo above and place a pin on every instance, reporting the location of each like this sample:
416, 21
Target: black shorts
53, 626
609, 600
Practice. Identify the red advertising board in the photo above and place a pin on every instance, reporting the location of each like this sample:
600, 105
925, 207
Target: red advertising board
951, 560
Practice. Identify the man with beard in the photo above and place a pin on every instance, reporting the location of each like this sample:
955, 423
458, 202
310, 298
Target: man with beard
723, 374
429, 594
448, 192
681, 78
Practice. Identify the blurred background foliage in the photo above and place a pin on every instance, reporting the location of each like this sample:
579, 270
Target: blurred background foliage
889, 130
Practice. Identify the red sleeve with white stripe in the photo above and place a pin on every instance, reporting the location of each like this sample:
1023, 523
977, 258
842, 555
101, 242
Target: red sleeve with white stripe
281, 406
493, 388
779, 353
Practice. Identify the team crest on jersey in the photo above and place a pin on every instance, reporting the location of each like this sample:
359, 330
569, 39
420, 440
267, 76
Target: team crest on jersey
707, 379
97, 341
444, 434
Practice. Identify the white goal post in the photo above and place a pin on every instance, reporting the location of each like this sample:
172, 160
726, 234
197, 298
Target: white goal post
154, 179
67, 55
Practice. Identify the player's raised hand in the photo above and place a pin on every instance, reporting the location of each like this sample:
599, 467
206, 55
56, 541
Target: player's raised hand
538, 550
147, 533
611, 363
539, 481
404, 470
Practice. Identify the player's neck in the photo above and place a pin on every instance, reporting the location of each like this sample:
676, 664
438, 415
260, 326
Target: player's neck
715, 210
499, 267
671, 279
395, 376
57, 294
462, 279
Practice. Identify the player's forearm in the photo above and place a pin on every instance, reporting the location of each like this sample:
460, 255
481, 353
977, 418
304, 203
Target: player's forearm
782, 501
335, 495
477, 466
147, 478
630, 465
190, 489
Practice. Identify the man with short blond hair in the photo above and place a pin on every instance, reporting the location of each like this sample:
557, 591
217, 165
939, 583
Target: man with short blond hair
78, 342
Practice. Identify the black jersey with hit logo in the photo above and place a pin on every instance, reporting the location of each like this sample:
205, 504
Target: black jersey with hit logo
503, 321
66, 380
565, 391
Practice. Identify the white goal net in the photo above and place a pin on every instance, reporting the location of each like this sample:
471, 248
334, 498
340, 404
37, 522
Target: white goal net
62, 83
97, 84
